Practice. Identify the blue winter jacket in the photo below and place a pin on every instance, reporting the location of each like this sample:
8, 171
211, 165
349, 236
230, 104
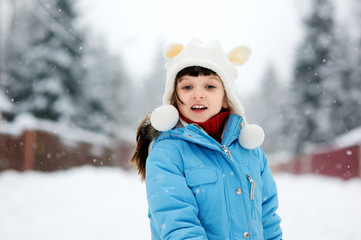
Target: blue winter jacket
198, 188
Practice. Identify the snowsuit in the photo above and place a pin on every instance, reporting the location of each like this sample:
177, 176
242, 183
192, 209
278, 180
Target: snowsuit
198, 188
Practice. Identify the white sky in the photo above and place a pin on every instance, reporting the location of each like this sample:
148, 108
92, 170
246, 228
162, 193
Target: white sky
270, 28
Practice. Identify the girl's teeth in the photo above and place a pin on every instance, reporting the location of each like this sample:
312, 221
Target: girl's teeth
198, 107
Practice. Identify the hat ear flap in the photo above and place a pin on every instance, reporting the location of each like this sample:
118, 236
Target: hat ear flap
239, 55
173, 50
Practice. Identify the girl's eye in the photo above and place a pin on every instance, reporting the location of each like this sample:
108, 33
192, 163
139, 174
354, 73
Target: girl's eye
210, 86
186, 87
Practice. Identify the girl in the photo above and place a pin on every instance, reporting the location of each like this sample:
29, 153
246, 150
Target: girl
206, 177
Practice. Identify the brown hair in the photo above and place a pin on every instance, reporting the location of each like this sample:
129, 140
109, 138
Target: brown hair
146, 133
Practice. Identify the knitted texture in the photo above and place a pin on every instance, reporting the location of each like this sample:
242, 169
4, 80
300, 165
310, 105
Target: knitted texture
213, 126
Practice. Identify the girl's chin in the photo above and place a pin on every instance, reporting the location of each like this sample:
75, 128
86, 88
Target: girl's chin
198, 119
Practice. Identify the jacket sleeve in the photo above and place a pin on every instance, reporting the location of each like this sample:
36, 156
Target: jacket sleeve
270, 220
172, 207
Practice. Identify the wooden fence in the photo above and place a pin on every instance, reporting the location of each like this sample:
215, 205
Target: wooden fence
343, 162
46, 151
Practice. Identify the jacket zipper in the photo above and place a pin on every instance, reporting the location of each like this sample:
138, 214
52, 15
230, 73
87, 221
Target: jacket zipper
224, 148
227, 152
251, 194
253, 184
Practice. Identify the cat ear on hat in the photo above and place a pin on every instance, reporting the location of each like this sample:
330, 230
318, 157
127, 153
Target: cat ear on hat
239, 55
173, 50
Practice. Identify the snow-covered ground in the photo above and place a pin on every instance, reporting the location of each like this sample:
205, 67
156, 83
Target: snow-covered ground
107, 203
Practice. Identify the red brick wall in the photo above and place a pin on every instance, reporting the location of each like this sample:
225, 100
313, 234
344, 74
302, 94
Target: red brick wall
11, 152
344, 162
44, 151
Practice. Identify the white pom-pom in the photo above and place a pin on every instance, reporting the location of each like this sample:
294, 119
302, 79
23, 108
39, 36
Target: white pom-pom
164, 118
251, 136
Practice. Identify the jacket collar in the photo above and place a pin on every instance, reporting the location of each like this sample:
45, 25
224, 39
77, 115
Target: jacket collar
194, 134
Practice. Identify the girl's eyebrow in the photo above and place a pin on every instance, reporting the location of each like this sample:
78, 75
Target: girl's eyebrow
215, 78
182, 78
212, 77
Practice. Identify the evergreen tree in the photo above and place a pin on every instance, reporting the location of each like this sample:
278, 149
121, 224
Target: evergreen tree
44, 67
3, 33
343, 91
311, 91
5, 104
44, 72
108, 85
352, 107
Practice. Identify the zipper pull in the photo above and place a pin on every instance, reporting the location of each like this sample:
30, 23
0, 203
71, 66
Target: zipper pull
227, 152
253, 184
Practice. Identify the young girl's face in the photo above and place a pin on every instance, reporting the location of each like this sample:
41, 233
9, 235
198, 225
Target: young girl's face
201, 98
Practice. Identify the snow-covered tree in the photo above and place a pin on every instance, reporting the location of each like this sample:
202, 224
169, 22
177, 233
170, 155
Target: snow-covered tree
342, 87
45, 72
106, 83
312, 87
44, 60
4, 18
352, 94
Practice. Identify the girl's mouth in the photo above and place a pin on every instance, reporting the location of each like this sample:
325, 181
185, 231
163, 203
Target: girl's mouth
198, 107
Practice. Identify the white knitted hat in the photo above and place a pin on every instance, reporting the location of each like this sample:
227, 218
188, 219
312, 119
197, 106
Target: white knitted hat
208, 55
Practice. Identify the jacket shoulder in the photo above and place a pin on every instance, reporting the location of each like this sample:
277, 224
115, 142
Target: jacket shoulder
166, 151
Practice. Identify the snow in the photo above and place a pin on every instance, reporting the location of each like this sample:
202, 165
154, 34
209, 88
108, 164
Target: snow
69, 135
353, 137
5, 104
315, 207
83, 203
109, 203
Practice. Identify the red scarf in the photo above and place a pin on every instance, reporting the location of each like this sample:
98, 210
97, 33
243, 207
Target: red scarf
213, 126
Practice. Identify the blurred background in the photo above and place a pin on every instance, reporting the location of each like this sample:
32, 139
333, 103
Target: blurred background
76, 77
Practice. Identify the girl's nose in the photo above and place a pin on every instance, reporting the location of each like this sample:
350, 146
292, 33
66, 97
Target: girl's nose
198, 93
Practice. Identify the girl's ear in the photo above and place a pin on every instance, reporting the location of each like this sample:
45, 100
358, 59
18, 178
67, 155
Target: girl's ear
225, 103
239, 55
173, 50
